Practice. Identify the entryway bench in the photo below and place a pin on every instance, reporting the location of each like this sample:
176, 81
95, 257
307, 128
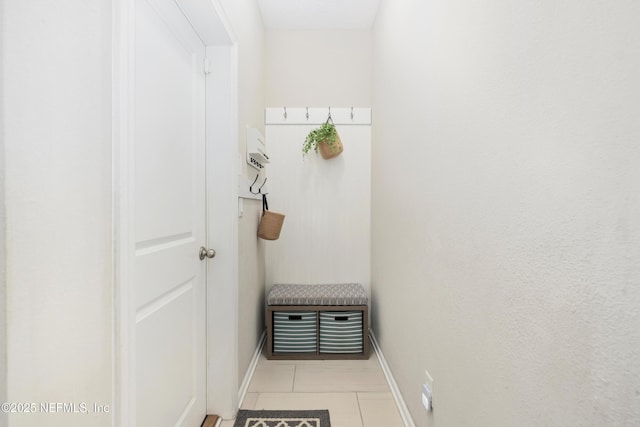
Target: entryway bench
317, 322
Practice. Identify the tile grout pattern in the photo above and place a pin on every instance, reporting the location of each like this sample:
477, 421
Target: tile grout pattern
360, 409
355, 392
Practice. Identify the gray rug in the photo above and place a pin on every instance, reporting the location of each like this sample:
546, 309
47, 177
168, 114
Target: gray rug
316, 418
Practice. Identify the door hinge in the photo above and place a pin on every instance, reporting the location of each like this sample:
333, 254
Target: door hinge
207, 66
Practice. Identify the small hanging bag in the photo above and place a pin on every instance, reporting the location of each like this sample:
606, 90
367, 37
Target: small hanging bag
270, 222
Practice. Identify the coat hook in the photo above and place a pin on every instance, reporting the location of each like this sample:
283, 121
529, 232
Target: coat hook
260, 188
329, 118
285, 113
253, 183
351, 113
307, 115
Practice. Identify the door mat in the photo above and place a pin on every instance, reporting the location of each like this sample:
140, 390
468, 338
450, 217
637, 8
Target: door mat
316, 418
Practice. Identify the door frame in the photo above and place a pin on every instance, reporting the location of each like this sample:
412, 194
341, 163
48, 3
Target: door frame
210, 22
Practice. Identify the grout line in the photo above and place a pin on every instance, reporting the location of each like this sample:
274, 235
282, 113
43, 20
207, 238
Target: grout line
368, 367
360, 410
293, 383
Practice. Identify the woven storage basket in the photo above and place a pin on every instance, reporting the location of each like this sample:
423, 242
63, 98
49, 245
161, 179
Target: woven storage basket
270, 223
327, 152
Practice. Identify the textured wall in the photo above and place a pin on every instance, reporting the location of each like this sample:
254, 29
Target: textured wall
246, 23
57, 110
251, 285
506, 209
3, 271
318, 68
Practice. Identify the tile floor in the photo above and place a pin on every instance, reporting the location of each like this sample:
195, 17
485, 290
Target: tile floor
355, 392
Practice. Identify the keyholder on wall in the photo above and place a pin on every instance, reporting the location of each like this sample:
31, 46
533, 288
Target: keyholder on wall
257, 156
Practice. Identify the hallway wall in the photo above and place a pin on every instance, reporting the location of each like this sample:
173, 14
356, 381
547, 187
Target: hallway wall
506, 209
327, 203
318, 68
3, 254
246, 22
57, 136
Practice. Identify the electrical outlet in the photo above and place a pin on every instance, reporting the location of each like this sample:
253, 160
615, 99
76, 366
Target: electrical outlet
427, 398
427, 392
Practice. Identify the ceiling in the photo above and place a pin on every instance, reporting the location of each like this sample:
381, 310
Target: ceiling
318, 14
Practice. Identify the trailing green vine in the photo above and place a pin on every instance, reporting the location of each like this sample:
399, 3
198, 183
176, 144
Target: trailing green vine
326, 133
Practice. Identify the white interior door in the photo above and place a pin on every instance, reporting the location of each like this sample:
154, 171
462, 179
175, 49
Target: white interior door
169, 205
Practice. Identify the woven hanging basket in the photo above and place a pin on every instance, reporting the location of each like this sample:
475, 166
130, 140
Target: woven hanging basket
270, 225
329, 152
270, 222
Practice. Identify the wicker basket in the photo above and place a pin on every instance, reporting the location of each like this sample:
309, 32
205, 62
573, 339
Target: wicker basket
270, 225
270, 222
327, 152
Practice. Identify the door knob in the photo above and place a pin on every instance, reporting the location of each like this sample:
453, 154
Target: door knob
206, 253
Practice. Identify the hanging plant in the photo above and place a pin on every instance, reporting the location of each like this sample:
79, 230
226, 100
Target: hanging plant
324, 139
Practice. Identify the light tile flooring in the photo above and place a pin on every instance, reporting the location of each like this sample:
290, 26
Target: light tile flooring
355, 392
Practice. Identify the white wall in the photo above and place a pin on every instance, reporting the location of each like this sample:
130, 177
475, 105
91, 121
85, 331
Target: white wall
3, 271
251, 285
326, 233
57, 135
318, 68
506, 209
246, 22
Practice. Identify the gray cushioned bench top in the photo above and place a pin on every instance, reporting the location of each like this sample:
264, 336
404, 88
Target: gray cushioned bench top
333, 294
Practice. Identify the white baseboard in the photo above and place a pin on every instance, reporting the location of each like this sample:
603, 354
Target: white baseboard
397, 396
251, 369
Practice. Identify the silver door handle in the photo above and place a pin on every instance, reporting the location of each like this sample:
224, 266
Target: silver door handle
206, 253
